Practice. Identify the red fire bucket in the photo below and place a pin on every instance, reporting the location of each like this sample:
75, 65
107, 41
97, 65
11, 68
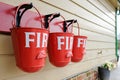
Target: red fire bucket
78, 50
60, 48
29, 44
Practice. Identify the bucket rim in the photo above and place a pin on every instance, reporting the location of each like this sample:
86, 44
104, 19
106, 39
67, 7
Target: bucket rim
28, 28
60, 33
80, 36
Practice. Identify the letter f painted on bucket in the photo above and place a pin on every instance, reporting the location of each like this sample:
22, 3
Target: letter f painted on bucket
28, 40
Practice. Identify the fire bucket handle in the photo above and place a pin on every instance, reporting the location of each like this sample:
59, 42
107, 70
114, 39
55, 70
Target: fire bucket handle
64, 28
75, 21
78, 28
19, 14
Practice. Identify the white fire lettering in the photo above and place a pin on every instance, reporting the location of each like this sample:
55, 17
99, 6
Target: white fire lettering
28, 40
38, 39
67, 38
69, 42
81, 41
60, 42
44, 40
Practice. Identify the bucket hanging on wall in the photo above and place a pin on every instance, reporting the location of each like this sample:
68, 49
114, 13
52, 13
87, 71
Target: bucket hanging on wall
29, 43
60, 47
79, 43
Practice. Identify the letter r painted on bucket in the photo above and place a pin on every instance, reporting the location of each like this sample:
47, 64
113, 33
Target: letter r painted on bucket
65, 41
39, 42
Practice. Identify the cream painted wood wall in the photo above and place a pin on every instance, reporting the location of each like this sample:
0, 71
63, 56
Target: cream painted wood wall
97, 21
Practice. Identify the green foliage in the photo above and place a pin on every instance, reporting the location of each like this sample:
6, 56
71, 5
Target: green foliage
109, 65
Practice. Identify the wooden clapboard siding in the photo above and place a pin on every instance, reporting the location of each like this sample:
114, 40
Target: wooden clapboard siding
49, 72
91, 54
103, 8
5, 44
97, 21
100, 36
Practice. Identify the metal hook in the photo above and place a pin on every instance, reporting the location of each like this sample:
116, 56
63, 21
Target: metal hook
67, 25
47, 18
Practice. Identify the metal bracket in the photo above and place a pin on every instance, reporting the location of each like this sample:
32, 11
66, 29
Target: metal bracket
47, 19
19, 14
65, 25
